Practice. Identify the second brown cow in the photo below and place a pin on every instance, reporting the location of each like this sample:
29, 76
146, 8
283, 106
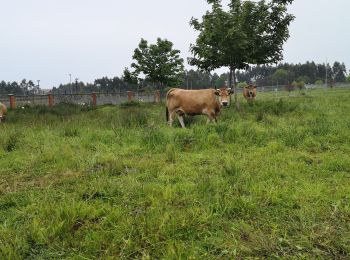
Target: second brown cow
249, 92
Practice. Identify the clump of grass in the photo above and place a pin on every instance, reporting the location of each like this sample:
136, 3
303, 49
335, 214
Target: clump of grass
132, 103
11, 141
132, 117
184, 139
170, 153
154, 137
214, 139
108, 164
70, 132
280, 107
259, 116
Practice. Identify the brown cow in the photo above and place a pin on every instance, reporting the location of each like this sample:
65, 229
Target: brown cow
195, 102
249, 92
3, 111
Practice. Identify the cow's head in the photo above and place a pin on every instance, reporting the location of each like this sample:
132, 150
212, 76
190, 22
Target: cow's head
250, 90
224, 95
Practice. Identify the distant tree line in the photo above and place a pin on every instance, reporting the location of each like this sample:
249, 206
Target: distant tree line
264, 75
19, 88
286, 73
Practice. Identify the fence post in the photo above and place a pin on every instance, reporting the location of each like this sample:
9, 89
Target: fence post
130, 96
94, 99
50, 97
12, 101
157, 96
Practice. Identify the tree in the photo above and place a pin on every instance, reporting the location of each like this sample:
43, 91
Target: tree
339, 71
247, 33
280, 75
160, 63
129, 77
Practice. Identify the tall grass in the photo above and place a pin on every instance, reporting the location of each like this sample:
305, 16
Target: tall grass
270, 181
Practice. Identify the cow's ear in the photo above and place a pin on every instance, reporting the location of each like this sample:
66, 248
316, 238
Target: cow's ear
255, 86
217, 92
230, 91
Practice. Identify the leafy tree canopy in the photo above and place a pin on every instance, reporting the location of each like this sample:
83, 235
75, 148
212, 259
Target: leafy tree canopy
159, 62
247, 33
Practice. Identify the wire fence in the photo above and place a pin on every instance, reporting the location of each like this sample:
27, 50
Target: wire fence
116, 98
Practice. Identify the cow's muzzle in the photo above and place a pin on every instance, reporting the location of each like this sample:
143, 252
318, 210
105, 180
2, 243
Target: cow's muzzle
225, 103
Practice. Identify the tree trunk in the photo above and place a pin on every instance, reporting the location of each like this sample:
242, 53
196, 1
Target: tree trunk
235, 88
230, 83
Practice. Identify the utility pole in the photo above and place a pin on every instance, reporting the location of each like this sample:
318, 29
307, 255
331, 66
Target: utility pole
70, 83
76, 85
326, 72
38, 85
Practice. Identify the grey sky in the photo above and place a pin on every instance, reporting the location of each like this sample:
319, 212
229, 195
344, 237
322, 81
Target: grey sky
48, 39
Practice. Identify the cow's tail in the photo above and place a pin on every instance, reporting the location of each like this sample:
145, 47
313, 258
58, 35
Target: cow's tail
167, 114
166, 105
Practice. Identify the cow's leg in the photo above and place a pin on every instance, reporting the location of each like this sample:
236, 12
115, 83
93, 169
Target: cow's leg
171, 118
181, 119
180, 115
211, 117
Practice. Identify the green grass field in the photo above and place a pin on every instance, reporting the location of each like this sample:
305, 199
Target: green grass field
272, 180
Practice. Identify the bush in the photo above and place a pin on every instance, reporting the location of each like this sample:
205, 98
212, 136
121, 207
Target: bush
301, 85
319, 82
242, 84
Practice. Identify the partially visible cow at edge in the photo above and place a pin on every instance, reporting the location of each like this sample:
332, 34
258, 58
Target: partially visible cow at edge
249, 92
3, 111
196, 102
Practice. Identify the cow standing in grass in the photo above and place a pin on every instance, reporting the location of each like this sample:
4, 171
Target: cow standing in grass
195, 102
249, 92
3, 111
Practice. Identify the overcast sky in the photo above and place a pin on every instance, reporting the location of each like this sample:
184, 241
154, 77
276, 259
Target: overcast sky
48, 39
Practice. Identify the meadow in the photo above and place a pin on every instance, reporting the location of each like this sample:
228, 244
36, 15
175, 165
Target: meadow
269, 181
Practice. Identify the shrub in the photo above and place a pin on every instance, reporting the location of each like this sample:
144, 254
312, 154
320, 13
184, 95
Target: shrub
301, 85
242, 84
319, 82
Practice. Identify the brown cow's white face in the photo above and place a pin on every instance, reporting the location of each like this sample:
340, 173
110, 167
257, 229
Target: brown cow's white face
224, 96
